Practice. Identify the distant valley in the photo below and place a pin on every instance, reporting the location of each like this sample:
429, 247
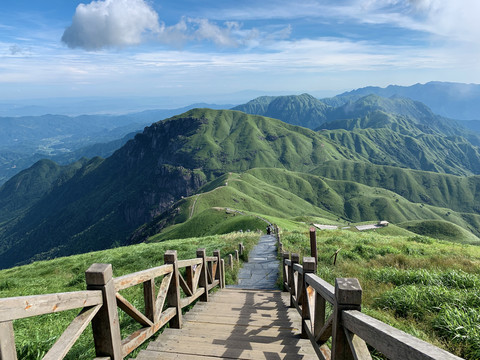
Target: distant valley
65, 139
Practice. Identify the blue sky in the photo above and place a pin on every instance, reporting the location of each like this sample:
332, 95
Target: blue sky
66, 48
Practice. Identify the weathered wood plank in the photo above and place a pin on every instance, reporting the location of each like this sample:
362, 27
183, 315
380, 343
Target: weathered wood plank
298, 268
223, 351
326, 290
358, 346
213, 284
240, 321
162, 295
153, 355
322, 351
196, 276
193, 341
134, 340
325, 332
149, 299
129, 280
132, 311
26, 306
189, 262
105, 325
189, 274
71, 334
203, 275
7, 341
393, 343
187, 301
183, 284
248, 333
173, 293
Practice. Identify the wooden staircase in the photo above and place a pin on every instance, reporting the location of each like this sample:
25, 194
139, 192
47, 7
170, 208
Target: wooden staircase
235, 324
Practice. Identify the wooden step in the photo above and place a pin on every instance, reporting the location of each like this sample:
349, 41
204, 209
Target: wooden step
251, 334
301, 346
224, 351
235, 324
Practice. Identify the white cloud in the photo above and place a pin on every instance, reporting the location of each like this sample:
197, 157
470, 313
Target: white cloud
110, 23
190, 29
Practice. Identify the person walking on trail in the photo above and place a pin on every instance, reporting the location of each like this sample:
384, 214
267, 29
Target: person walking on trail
269, 230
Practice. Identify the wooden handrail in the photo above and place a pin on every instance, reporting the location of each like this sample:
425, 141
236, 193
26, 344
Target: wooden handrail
27, 306
393, 343
139, 277
348, 327
100, 301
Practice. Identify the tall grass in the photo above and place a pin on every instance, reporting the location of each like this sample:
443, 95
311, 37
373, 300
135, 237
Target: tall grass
423, 286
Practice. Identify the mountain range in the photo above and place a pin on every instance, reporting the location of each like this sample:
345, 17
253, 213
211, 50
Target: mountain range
366, 159
27, 139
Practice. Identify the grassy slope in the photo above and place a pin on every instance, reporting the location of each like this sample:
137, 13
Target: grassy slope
458, 193
284, 194
34, 336
397, 140
426, 287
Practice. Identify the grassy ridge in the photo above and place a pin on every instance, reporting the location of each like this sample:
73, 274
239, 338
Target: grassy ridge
34, 336
458, 193
286, 194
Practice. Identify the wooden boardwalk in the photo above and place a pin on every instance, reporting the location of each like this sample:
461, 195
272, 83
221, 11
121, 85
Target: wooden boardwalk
235, 324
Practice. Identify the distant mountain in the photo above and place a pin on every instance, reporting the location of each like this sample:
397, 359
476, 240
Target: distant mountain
452, 100
403, 132
64, 139
105, 200
303, 110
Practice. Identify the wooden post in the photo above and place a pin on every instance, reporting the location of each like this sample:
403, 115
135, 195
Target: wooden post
7, 341
149, 298
173, 294
308, 268
348, 296
202, 282
285, 256
237, 258
223, 273
105, 325
240, 249
230, 261
291, 280
313, 246
218, 275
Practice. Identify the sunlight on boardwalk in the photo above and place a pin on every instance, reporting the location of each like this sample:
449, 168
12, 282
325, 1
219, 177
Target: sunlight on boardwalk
235, 324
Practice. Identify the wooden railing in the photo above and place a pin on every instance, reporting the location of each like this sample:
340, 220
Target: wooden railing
99, 304
349, 329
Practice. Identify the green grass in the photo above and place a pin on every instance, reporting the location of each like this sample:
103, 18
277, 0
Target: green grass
440, 229
34, 336
421, 285
298, 197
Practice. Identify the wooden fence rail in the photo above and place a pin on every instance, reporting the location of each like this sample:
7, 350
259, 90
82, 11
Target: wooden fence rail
349, 329
181, 282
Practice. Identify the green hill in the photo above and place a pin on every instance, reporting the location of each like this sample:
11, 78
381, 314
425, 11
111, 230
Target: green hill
280, 193
105, 200
458, 193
